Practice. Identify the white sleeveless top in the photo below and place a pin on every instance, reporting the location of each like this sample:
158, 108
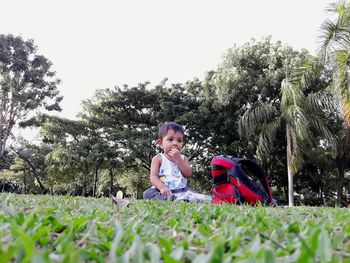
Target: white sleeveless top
171, 175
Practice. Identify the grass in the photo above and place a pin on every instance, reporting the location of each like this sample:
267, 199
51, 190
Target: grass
76, 229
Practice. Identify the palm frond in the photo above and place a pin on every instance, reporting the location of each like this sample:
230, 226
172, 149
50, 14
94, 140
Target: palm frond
335, 34
317, 102
342, 60
290, 95
318, 126
306, 73
321, 156
267, 138
296, 162
255, 116
345, 107
342, 83
297, 149
328, 32
299, 123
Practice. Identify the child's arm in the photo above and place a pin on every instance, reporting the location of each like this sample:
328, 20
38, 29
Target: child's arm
154, 176
182, 164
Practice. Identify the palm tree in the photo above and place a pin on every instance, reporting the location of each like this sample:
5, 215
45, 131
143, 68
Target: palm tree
296, 115
335, 52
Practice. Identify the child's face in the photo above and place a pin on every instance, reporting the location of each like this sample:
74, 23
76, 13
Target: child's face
172, 140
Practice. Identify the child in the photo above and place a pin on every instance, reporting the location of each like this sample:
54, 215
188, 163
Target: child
170, 170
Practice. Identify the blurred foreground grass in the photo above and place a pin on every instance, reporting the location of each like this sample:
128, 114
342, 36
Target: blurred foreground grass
77, 229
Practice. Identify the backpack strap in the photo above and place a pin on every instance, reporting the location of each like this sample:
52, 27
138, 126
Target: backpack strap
226, 167
223, 161
220, 167
234, 195
256, 170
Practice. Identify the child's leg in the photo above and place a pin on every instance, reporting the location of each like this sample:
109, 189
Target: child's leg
192, 196
154, 194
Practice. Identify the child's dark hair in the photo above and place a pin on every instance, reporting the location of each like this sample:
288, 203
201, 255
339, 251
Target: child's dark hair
169, 126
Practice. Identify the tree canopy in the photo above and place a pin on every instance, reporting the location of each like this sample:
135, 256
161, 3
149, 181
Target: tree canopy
27, 83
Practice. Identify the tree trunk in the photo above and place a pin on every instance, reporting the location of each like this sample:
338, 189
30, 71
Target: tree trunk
95, 182
321, 187
42, 187
3, 139
25, 182
138, 190
111, 181
6, 126
2, 146
321, 195
289, 168
36, 176
85, 172
285, 192
340, 179
341, 160
83, 193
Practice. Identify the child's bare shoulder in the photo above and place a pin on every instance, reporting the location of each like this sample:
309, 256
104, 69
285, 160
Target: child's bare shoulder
157, 158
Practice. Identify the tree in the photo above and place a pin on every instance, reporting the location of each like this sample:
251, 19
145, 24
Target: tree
27, 83
127, 119
73, 154
33, 159
298, 116
340, 149
250, 74
335, 52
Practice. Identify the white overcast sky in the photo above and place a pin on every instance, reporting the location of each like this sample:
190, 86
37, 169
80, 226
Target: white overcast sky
100, 44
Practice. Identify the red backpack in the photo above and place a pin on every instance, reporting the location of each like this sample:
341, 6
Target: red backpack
234, 182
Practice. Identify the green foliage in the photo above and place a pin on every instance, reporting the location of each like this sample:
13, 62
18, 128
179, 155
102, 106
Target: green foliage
30, 168
335, 53
297, 112
26, 84
128, 120
111, 145
65, 229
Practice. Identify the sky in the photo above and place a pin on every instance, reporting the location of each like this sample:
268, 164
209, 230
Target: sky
101, 44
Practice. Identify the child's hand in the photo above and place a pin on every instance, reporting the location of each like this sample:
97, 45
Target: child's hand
175, 154
165, 191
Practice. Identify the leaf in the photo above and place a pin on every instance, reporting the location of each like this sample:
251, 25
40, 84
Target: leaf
42, 231
255, 244
20, 218
205, 230
217, 253
79, 223
266, 256
135, 252
120, 202
118, 236
154, 252
6, 256
308, 248
294, 227
172, 222
202, 258
28, 244
165, 244
177, 253
169, 259
324, 249
196, 217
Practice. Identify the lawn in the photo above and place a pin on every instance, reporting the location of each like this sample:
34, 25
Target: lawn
36, 228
